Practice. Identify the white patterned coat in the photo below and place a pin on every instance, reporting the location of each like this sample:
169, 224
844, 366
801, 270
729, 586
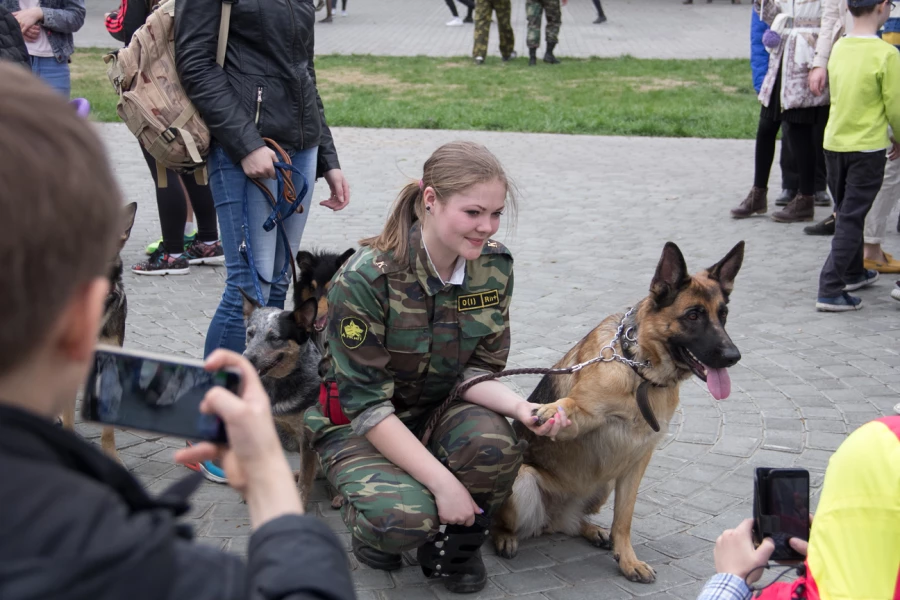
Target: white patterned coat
799, 22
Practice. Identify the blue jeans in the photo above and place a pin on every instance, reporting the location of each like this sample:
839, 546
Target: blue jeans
54, 73
229, 184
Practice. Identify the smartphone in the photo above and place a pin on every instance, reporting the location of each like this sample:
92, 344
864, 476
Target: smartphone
781, 509
151, 392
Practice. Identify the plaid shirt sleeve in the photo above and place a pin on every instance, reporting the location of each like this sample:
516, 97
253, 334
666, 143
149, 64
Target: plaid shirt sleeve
725, 586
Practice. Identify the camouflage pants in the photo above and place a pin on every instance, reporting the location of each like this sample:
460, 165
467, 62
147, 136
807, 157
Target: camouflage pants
389, 510
533, 9
483, 10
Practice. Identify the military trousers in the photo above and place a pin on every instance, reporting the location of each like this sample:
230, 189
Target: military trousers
483, 11
533, 10
386, 508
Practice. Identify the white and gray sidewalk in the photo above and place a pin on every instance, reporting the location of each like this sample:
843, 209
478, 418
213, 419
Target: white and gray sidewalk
640, 28
594, 215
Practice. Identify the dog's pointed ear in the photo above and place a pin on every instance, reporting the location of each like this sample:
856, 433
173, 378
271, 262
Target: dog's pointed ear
671, 276
345, 256
250, 304
305, 261
305, 314
727, 269
128, 215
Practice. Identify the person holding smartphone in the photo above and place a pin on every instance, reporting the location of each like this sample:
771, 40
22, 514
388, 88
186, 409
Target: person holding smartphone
854, 544
75, 524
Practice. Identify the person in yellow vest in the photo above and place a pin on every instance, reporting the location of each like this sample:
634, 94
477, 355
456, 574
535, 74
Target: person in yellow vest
854, 544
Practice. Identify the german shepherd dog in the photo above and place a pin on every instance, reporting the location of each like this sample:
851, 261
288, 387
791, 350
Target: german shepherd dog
316, 270
676, 331
112, 330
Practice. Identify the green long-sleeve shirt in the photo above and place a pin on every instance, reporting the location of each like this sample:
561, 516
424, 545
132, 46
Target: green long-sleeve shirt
864, 77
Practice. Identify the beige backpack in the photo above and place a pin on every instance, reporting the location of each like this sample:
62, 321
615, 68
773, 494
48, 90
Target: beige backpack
151, 100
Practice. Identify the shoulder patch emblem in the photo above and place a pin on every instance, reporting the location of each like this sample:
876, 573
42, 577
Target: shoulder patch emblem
476, 301
353, 332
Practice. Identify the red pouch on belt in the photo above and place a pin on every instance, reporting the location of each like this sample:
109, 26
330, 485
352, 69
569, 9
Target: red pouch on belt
331, 403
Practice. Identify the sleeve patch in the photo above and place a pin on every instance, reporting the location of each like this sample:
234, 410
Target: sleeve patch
353, 332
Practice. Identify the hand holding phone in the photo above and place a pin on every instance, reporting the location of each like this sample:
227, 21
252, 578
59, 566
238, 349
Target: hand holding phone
781, 509
151, 392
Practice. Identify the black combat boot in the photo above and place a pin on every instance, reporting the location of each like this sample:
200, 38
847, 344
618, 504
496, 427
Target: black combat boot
532, 57
376, 559
548, 56
455, 557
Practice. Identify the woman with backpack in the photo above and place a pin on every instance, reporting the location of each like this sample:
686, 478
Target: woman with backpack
181, 245
266, 89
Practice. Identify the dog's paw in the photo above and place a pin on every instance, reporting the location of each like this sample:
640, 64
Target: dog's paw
596, 535
337, 501
507, 545
637, 571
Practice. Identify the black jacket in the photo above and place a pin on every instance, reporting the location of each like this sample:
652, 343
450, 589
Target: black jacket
12, 44
74, 525
268, 86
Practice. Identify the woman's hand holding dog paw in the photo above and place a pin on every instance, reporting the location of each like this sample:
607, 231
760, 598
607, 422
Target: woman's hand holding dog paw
546, 419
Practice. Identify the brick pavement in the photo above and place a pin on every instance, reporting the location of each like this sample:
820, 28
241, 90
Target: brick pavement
641, 28
594, 215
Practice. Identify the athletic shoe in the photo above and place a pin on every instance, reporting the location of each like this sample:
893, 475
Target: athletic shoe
823, 227
160, 263
895, 294
479, 60
600, 20
455, 22
468, 19
843, 303
201, 253
188, 240
210, 470
867, 279
512, 55
344, 13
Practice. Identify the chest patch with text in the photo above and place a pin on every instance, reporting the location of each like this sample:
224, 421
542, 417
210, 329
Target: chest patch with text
476, 301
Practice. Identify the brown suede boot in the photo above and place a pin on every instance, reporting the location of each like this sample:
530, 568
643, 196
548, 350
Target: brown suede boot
801, 208
755, 203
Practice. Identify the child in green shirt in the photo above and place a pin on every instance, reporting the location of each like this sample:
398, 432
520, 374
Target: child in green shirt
864, 75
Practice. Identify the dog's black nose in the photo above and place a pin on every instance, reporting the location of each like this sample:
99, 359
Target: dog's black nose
730, 356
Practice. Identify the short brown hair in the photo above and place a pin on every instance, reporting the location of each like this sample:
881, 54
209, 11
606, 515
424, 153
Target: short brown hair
59, 210
451, 169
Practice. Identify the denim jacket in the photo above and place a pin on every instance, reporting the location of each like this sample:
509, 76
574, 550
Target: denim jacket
62, 18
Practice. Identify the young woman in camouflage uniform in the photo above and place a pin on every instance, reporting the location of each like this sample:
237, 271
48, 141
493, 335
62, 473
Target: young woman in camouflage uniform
420, 308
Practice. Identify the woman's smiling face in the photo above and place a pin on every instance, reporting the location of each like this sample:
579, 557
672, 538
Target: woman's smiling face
464, 222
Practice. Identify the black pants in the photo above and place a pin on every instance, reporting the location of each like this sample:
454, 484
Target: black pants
790, 178
801, 138
854, 179
598, 7
170, 203
469, 4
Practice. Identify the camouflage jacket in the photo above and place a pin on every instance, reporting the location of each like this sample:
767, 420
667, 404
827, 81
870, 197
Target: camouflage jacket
399, 340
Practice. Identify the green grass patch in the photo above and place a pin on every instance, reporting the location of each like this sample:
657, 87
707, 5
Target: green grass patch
616, 96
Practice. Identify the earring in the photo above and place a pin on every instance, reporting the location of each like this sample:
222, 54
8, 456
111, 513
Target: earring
428, 209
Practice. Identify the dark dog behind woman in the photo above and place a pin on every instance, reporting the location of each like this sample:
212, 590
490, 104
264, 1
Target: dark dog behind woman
418, 309
267, 88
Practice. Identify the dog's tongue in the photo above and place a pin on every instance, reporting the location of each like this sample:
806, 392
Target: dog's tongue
320, 322
718, 382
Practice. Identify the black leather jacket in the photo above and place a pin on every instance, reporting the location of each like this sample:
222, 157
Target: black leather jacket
268, 85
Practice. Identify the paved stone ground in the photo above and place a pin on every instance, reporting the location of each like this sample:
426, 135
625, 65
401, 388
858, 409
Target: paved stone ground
594, 215
641, 28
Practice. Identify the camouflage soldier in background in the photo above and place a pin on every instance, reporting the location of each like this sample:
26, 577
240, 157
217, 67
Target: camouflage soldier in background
483, 10
534, 8
422, 307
